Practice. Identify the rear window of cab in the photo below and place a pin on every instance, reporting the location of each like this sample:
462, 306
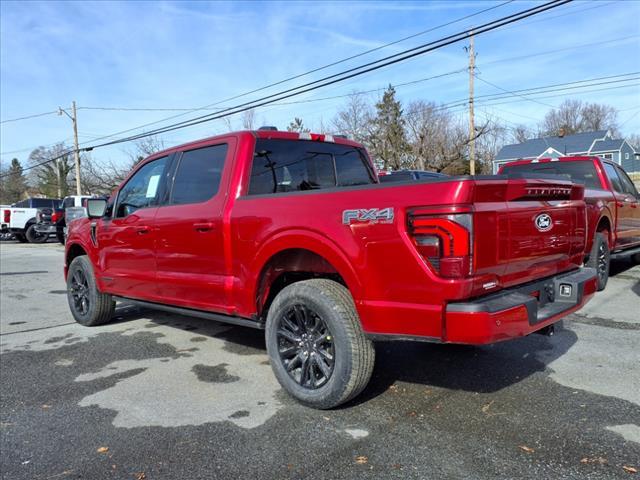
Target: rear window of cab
583, 172
297, 165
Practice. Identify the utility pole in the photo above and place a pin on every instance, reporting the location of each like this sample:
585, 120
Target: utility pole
58, 176
472, 130
76, 149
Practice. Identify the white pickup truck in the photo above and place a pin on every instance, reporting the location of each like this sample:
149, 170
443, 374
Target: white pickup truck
54, 221
20, 218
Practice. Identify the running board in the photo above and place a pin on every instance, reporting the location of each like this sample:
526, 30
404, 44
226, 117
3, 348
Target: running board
625, 253
190, 312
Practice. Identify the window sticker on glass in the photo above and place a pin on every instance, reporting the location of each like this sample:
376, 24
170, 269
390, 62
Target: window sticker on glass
153, 186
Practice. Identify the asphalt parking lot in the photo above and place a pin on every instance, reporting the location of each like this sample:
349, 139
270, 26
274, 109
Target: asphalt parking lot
159, 396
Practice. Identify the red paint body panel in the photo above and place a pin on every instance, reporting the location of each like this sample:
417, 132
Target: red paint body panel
227, 268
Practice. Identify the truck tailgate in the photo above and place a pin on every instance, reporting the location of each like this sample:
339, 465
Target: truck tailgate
539, 229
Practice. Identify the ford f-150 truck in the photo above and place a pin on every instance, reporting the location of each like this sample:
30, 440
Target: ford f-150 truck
292, 233
613, 205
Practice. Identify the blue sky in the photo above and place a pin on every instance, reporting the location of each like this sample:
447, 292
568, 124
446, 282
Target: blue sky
190, 54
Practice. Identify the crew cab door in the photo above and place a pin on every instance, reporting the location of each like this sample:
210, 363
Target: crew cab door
190, 229
627, 206
126, 239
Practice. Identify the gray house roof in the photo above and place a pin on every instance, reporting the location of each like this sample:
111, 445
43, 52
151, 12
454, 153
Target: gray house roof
608, 145
567, 145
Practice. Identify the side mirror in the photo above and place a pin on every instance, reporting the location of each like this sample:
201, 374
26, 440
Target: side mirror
96, 207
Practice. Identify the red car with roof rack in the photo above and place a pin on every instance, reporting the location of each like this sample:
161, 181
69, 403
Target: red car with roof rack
293, 233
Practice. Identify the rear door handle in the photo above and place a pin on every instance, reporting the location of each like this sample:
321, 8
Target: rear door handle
203, 226
142, 230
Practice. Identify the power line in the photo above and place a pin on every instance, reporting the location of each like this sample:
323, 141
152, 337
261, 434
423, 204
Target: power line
311, 71
345, 75
513, 93
351, 73
36, 115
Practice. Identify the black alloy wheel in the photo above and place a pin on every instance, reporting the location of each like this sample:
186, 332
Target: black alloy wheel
88, 305
603, 261
305, 346
80, 292
600, 259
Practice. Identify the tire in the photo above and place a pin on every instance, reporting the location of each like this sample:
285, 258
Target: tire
35, 237
20, 237
313, 322
599, 258
88, 306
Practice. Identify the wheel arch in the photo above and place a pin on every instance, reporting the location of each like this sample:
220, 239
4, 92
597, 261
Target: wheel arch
299, 256
604, 225
72, 251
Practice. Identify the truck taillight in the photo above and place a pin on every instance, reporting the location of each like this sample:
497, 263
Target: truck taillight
55, 216
445, 241
6, 217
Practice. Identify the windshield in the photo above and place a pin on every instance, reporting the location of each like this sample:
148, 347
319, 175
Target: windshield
578, 172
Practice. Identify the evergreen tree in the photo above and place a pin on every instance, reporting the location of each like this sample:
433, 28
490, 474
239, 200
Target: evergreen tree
388, 139
14, 184
297, 126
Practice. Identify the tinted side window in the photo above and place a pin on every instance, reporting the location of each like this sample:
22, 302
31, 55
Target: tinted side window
40, 203
613, 176
627, 184
350, 168
197, 178
141, 190
296, 165
68, 202
22, 204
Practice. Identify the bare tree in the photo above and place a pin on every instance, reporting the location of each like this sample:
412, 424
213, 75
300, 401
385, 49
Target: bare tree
489, 139
249, 119
575, 116
354, 120
101, 178
50, 178
521, 134
439, 140
634, 141
597, 116
144, 147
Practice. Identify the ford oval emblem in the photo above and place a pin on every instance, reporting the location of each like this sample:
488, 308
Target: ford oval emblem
543, 222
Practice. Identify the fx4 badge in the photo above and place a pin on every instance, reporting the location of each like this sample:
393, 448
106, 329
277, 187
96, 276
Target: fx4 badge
368, 215
543, 222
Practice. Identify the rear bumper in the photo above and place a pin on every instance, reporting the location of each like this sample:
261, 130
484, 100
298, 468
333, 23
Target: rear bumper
509, 313
518, 311
46, 228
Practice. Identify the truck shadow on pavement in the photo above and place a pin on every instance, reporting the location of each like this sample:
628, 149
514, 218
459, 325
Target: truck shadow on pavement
483, 369
477, 369
620, 266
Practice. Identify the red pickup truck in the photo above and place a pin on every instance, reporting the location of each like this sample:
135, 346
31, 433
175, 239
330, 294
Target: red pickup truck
293, 233
613, 205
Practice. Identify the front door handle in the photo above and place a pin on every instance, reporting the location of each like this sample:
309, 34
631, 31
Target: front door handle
142, 230
203, 226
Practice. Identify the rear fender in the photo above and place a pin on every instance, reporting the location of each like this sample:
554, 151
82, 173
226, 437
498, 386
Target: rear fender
306, 240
